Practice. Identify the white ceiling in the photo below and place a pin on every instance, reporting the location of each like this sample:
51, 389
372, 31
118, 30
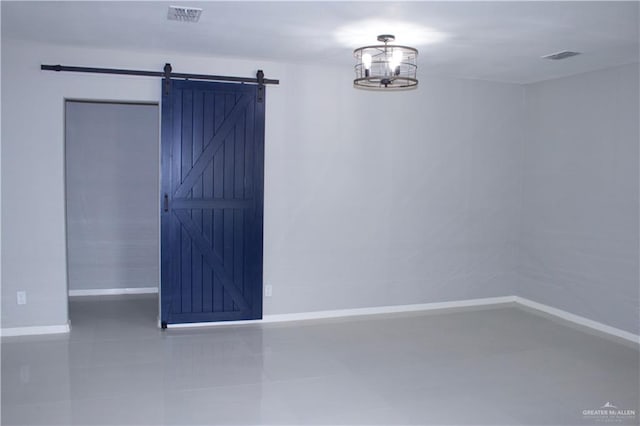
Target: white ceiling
500, 41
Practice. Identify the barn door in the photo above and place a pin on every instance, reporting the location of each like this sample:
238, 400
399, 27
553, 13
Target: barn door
212, 202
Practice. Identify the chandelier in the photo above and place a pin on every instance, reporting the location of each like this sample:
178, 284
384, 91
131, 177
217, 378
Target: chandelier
386, 67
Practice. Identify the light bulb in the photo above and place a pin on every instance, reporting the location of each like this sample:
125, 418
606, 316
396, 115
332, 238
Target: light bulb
397, 57
395, 61
366, 60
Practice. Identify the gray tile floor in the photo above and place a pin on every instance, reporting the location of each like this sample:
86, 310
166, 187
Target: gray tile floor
494, 366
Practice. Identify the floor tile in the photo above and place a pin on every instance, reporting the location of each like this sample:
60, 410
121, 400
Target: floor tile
489, 366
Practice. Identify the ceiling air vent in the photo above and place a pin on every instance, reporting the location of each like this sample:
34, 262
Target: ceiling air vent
184, 14
560, 55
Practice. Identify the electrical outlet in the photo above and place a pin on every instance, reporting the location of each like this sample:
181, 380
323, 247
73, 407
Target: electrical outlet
22, 297
268, 290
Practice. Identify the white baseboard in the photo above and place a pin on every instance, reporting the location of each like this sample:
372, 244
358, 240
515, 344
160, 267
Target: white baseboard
389, 309
30, 331
577, 319
339, 313
555, 312
113, 291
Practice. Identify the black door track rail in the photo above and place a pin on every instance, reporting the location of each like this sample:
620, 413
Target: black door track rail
168, 74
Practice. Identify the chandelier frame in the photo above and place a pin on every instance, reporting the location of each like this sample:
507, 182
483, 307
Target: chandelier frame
386, 67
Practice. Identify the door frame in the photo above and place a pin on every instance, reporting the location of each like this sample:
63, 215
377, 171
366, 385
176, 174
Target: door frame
64, 177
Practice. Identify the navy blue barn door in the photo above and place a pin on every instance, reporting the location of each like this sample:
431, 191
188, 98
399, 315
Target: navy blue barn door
212, 195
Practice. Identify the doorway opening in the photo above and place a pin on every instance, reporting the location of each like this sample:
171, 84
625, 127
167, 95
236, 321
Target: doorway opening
112, 170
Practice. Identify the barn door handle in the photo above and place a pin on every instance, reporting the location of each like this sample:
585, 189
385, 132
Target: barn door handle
166, 202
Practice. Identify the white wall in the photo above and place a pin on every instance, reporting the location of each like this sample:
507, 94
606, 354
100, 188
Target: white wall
392, 198
580, 200
370, 198
112, 192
